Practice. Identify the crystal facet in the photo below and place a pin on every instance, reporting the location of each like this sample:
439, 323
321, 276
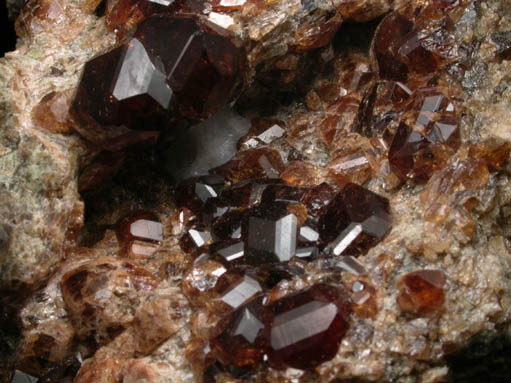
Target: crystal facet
305, 329
242, 342
354, 220
123, 87
170, 64
422, 292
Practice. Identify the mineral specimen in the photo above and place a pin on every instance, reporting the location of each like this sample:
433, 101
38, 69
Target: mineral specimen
372, 179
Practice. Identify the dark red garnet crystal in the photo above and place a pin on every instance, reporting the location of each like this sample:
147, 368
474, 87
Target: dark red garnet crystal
355, 220
305, 329
170, 65
242, 341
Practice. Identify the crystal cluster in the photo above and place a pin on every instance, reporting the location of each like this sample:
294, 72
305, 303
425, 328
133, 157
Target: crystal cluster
260, 234
244, 239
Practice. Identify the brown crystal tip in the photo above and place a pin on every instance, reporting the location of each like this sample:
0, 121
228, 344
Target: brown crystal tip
171, 66
422, 292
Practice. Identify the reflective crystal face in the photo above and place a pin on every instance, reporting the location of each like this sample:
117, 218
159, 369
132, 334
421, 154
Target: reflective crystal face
270, 234
242, 342
202, 69
142, 226
262, 132
427, 135
195, 239
169, 65
354, 220
195, 192
123, 87
422, 292
242, 292
305, 329
232, 252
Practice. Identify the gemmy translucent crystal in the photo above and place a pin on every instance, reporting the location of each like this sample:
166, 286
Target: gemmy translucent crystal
242, 342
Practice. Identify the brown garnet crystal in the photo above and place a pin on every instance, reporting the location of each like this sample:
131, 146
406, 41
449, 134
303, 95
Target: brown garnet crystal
355, 220
305, 329
422, 292
413, 41
242, 341
170, 64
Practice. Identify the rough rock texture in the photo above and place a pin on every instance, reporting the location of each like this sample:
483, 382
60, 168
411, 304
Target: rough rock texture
124, 312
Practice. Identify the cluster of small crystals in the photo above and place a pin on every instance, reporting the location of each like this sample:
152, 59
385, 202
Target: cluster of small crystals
253, 232
393, 114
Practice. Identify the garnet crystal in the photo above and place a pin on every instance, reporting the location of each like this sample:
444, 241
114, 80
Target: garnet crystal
422, 292
305, 329
355, 220
170, 64
242, 342
123, 87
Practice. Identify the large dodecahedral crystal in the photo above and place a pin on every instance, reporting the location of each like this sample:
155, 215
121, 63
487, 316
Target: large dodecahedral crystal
170, 65
242, 340
305, 329
123, 87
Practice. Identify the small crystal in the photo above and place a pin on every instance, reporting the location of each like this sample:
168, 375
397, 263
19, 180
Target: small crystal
232, 252
242, 292
194, 239
227, 226
242, 342
193, 193
142, 226
353, 168
262, 132
308, 234
422, 292
355, 220
270, 237
200, 283
259, 163
309, 252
